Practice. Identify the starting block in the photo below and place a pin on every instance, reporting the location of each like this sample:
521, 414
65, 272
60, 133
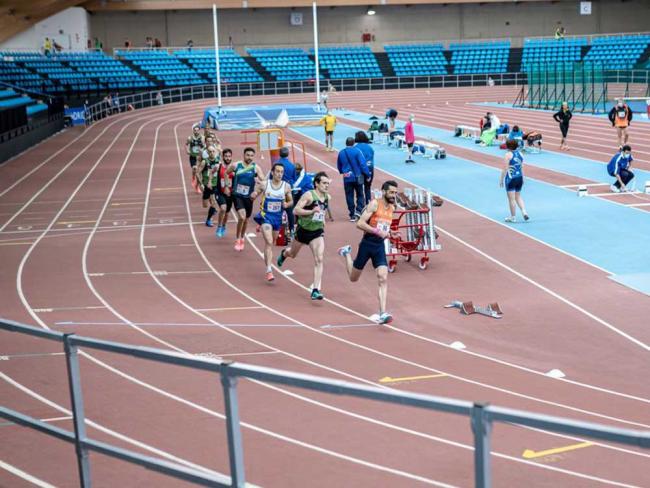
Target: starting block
467, 132
647, 187
468, 308
432, 150
583, 191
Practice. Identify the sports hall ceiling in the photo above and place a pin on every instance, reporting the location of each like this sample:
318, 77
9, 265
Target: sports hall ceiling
18, 15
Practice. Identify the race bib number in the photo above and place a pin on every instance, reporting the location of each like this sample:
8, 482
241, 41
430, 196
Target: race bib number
274, 206
621, 113
195, 149
383, 226
318, 216
242, 189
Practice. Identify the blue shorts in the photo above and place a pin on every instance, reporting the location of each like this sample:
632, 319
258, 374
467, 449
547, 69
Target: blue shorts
514, 184
370, 248
275, 221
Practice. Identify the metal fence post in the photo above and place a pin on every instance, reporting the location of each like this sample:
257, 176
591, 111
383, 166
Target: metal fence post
482, 428
235, 447
76, 399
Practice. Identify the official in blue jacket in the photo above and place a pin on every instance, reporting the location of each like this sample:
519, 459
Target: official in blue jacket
620, 167
363, 143
353, 166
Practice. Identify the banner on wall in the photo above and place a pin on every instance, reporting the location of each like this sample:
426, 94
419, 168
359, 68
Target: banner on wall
77, 115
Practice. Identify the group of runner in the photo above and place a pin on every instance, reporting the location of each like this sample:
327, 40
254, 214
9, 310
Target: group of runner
225, 184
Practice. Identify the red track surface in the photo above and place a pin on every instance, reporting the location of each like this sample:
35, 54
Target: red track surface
104, 238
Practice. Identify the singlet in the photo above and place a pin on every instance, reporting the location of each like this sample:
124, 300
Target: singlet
316, 220
244, 181
515, 166
225, 179
196, 144
272, 199
621, 116
381, 219
209, 171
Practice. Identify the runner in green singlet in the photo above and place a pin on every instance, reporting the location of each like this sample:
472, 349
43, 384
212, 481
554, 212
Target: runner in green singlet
311, 210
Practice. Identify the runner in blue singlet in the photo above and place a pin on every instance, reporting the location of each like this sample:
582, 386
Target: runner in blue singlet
512, 177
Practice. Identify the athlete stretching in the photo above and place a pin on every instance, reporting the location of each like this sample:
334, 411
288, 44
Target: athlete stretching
311, 210
375, 222
276, 196
246, 175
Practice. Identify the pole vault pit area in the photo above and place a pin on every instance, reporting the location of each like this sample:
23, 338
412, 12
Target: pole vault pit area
240, 117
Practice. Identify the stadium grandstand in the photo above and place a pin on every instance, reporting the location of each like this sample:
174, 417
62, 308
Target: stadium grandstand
298, 243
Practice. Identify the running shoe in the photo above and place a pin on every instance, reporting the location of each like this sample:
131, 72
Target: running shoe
281, 258
242, 241
353, 219
223, 231
345, 250
269, 276
239, 245
526, 217
385, 318
316, 294
615, 189
218, 232
209, 223
510, 219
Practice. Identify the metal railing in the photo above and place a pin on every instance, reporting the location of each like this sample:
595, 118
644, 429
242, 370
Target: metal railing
165, 96
482, 416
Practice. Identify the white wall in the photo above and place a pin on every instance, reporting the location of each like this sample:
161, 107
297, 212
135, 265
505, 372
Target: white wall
255, 27
70, 28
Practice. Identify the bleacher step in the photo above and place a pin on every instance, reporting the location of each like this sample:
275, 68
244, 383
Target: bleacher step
259, 69
384, 64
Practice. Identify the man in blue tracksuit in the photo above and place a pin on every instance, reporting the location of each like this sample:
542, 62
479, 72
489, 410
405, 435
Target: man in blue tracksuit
290, 177
363, 144
352, 165
620, 167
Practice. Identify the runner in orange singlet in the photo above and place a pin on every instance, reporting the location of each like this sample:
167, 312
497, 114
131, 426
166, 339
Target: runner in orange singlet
620, 116
375, 222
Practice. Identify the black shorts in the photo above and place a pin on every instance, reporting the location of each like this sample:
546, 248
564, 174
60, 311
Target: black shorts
409, 145
207, 192
192, 161
564, 129
224, 200
329, 132
243, 203
370, 248
306, 236
515, 184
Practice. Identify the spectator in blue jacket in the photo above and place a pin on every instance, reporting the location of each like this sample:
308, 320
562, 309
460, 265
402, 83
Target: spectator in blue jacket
363, 143
290, 177
353, 166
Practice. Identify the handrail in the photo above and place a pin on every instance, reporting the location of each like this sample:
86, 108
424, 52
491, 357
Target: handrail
481, 416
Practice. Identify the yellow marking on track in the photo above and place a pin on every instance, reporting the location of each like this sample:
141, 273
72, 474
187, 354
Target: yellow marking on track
388, 379
530, 454
14, 243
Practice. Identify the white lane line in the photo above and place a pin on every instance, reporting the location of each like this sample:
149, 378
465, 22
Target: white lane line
24, 475
30, 355
584, 184
177, 324
224, 309
638, 204
56, 309
512, 270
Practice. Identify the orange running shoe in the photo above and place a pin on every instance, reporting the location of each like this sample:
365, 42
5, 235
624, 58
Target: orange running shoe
269, 276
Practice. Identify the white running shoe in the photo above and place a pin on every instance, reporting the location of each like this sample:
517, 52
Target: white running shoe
614, 189
345, 250
510, 219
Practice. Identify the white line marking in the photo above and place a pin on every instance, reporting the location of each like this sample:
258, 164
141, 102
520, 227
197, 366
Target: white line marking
638, 204
329, 326
55, 309
584, 184
24, 475
254, 307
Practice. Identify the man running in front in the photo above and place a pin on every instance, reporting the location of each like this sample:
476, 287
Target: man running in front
311, 210
375, 222
276, 196
246, 175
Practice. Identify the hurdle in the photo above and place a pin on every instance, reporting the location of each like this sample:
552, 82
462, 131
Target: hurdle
432, 150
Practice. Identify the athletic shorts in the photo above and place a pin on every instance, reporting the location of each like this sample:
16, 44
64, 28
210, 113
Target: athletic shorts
305, 236
207, 192
409, 145
514, 184
370, 248
192, 161
329, 132
243, 203
275, 221
224, 200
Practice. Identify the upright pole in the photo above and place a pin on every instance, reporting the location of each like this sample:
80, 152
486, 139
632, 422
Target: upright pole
216, 52
316, 52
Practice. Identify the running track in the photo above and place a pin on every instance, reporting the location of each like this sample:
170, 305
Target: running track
96, 239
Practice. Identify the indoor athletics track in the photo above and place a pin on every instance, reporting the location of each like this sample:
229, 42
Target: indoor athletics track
101, 235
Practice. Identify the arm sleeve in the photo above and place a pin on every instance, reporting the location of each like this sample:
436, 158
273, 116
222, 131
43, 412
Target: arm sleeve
629, 114
611, 115
339, 162
363, 165
556, 116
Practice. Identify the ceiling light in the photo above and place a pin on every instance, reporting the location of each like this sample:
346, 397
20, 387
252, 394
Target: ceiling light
371, 11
